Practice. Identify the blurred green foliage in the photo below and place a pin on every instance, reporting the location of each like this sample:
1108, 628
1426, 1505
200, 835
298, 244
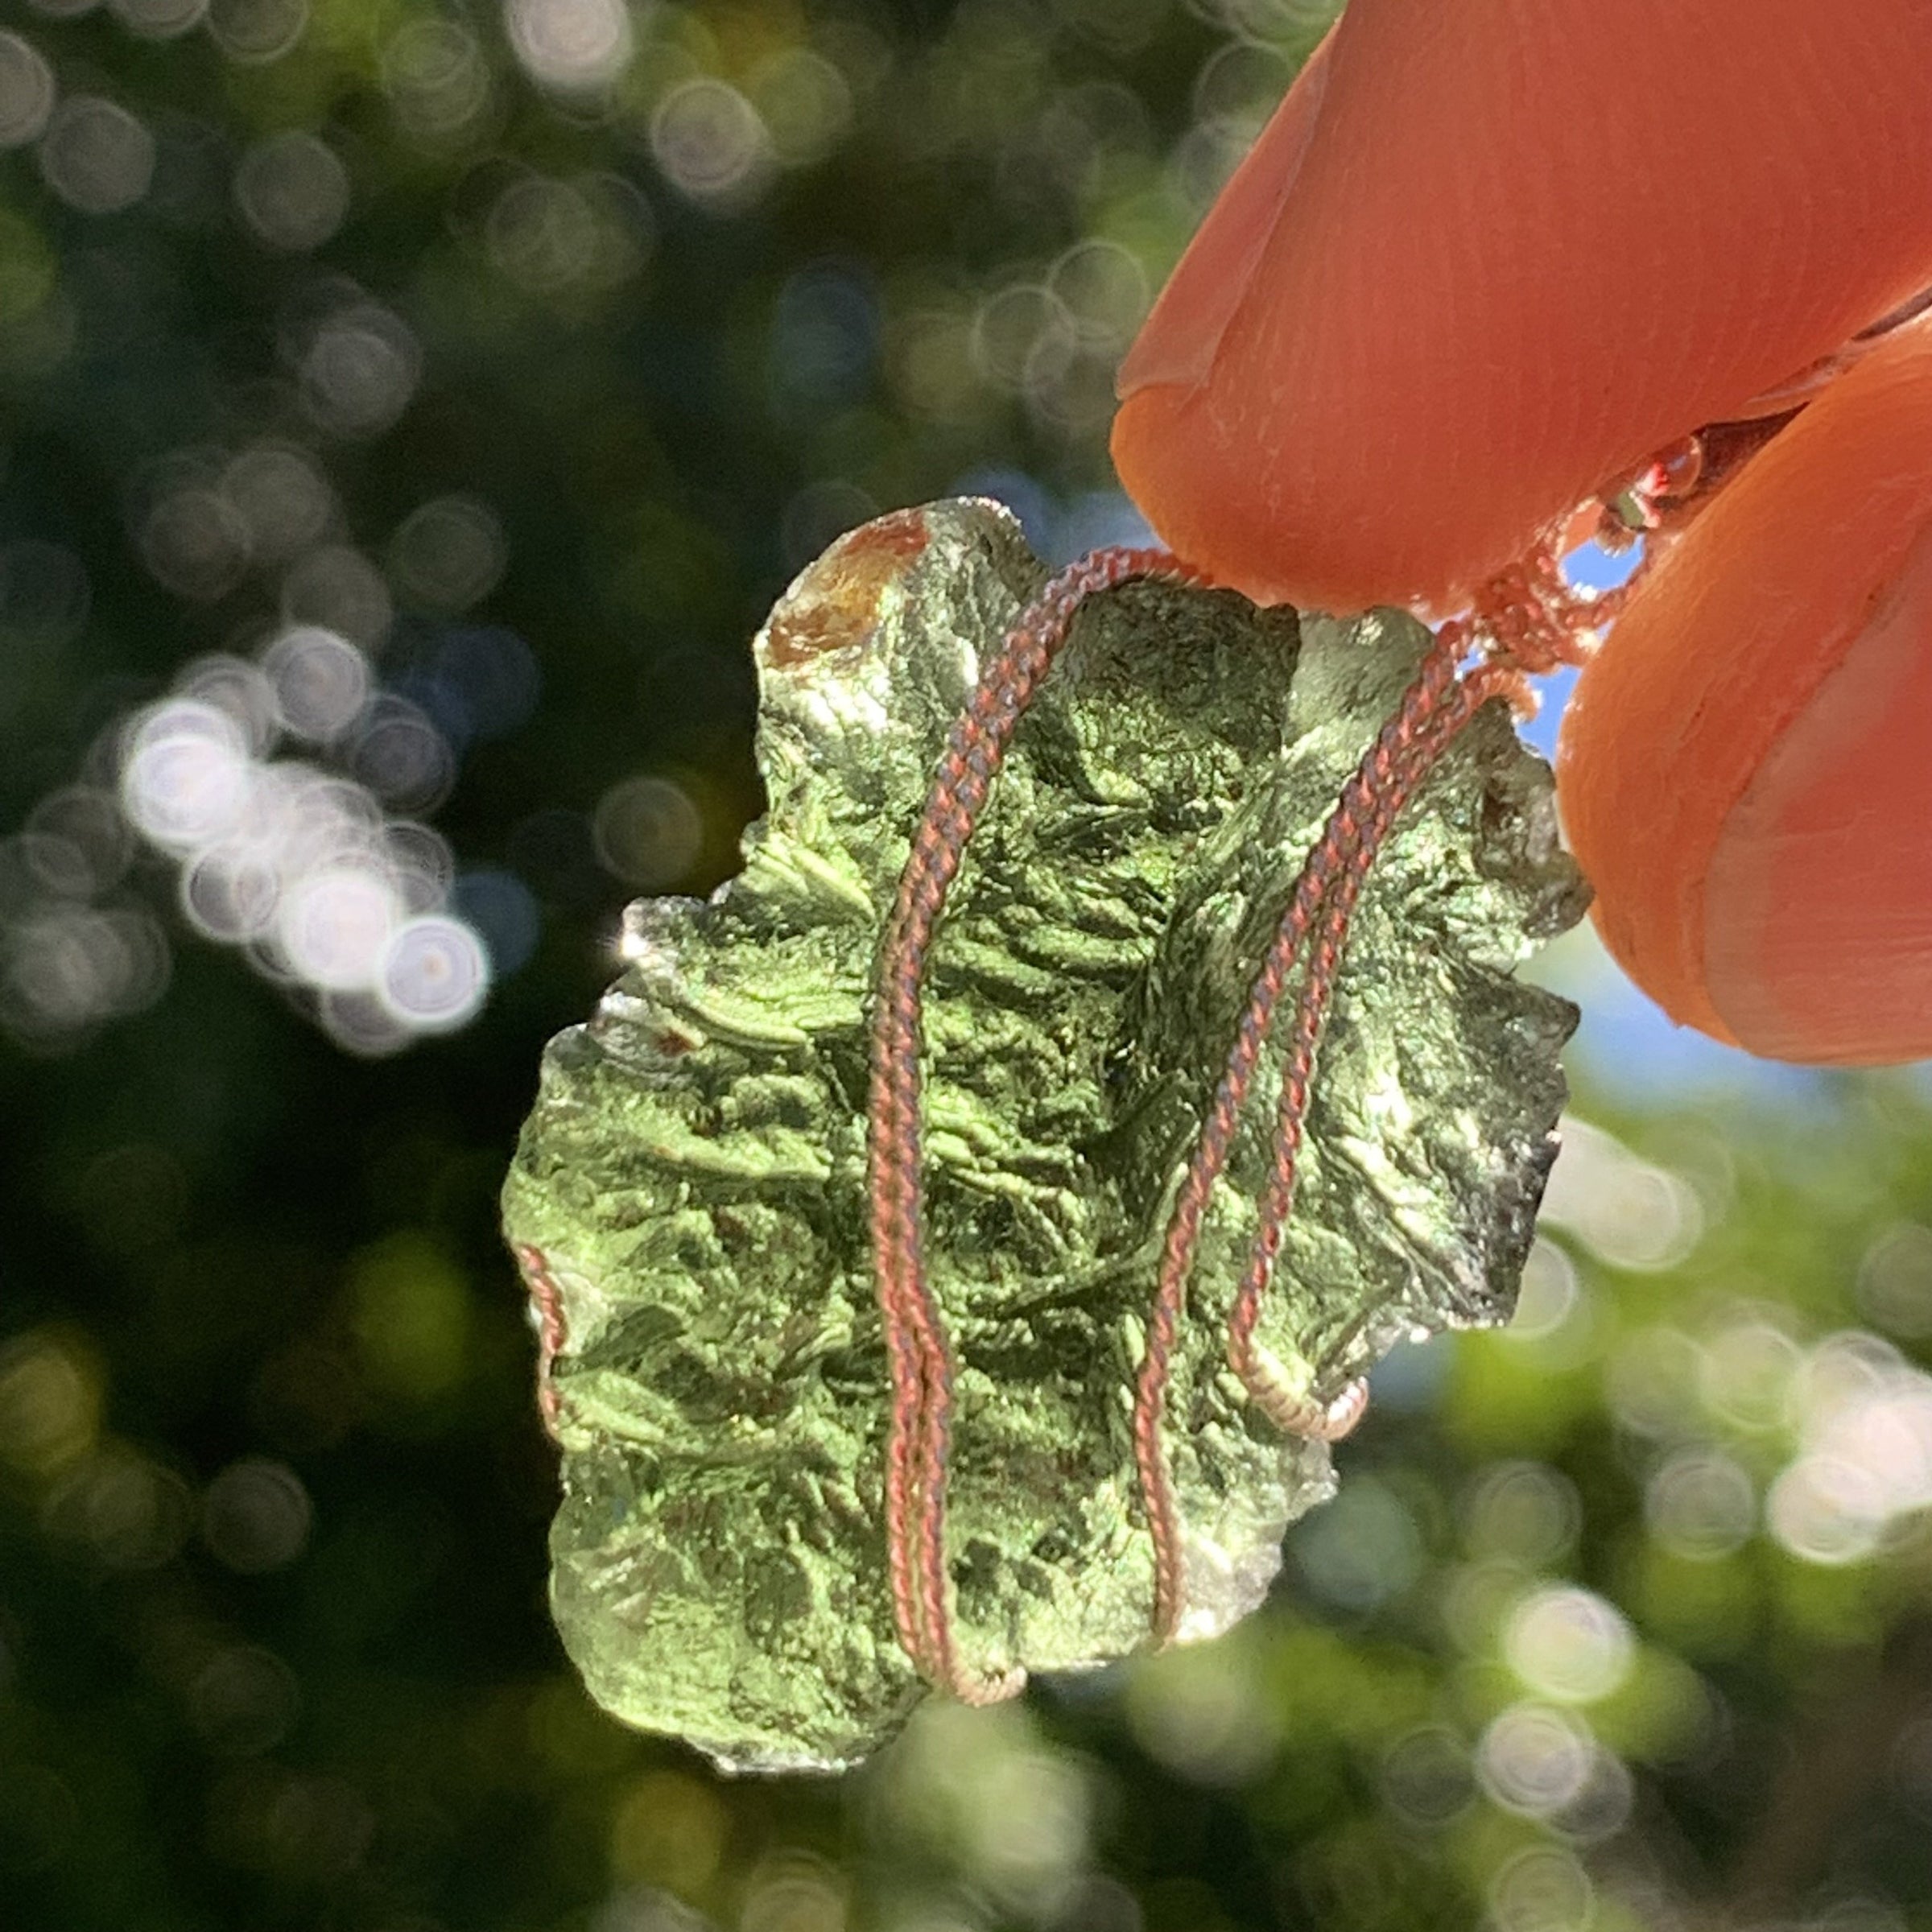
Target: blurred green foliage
540, 343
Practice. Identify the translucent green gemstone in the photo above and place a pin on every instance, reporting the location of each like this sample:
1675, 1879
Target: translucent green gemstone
690, 1188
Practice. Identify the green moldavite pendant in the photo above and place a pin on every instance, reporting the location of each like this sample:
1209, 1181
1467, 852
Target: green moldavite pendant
688, 1201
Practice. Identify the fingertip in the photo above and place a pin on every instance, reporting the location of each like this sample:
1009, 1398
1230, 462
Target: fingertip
1746, 768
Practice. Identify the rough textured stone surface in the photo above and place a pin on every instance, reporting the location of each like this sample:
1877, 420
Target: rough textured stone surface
688, 1197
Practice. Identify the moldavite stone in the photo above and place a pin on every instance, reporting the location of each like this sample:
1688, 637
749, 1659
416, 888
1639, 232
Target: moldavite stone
689, 1198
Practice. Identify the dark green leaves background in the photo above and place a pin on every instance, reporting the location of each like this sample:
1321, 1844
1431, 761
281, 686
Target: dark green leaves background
530, 349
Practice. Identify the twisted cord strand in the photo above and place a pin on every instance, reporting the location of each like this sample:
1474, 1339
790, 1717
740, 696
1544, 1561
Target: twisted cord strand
1311, 1011
1527, 620
1531, 620
1346, 843
919, 1433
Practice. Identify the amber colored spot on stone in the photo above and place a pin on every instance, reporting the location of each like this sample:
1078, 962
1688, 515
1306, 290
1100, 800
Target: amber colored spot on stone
835, 604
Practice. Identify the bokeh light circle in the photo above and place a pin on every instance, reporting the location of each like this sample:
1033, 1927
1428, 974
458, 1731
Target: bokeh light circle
1569, 1644
709, 140
281, 495
256, 1515
573, 45
649, 832
1542, 1889
1535, 1759
229, 892
253, 32
334, 924
96, 156
437, 80
448, 553
399, 754
360, 371
293, 191
1426, 1776
184, 775
341, 590
435, 974
1701, 1502
27, 91
159, 19
321, 682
